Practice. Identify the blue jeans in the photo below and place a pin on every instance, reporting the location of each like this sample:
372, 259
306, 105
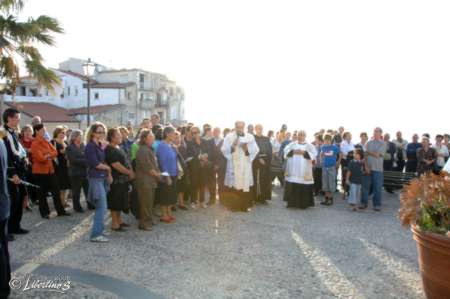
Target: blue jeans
375, 179
97, 196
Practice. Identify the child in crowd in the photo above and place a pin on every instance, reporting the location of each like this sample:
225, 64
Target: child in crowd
331, 159
354, 179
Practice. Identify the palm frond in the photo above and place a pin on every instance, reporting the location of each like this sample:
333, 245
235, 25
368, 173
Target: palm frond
45, 76
11, 5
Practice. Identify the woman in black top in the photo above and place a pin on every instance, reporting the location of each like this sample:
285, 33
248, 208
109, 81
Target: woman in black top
77, 169
60, 163
122, 173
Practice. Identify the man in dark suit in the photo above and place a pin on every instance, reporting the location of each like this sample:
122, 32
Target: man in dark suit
16, 170
207, 165
5, 270
220, 162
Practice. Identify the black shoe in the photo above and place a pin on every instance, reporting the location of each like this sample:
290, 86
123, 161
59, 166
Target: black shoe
174, 209
10, 238
45, 216
91, 207
325, 202
64, 214
124, 224
20, 231
362, 207
80, 210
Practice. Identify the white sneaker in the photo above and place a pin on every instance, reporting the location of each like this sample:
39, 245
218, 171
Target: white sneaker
100, 239
204, 205
106, 233
194, 206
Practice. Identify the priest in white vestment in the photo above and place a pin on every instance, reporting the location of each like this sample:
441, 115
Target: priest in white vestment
240, 149
299, 188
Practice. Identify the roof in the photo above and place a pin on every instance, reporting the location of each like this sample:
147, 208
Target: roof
47, 112
124, 70
110, 85
95, 109
82, 77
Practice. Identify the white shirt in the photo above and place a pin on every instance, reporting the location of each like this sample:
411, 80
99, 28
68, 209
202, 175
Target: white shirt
441, 150
447, 166
346, 147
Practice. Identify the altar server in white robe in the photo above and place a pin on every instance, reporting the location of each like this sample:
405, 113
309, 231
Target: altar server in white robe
299, 189
240, 149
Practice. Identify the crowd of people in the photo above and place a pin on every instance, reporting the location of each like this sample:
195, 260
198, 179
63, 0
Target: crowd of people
158, 169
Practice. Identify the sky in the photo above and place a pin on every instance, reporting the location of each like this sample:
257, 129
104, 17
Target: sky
309, 64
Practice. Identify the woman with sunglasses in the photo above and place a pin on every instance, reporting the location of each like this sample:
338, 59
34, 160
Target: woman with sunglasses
99, 177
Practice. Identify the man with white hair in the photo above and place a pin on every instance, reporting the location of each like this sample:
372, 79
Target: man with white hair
240, 149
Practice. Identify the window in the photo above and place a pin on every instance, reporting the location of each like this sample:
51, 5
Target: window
68, 91
131, 115
33, 92
129, 94
23, 91
76, 91
46, 92
96, 96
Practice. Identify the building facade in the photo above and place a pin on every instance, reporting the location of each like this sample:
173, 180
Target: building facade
116, 96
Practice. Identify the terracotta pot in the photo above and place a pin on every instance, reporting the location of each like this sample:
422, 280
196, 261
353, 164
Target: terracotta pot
434, 263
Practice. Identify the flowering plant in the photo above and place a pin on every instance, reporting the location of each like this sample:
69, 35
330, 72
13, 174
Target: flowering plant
425, 202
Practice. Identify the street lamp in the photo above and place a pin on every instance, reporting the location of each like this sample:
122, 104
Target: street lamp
88, 69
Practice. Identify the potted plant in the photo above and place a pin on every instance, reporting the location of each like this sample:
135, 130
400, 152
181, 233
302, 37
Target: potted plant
425, 207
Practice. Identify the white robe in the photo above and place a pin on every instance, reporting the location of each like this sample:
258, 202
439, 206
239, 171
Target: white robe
239, 173
298, 169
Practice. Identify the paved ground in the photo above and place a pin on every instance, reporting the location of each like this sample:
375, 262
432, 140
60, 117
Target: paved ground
271, 252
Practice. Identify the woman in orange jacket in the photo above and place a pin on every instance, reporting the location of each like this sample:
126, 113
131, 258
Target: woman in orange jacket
43, 154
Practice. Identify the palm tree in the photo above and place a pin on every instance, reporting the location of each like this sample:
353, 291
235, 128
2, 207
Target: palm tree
18, 40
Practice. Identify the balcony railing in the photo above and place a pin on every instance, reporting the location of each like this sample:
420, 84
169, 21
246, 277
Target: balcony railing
147, 104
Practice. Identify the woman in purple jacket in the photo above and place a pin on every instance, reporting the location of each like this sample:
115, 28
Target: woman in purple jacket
99, 177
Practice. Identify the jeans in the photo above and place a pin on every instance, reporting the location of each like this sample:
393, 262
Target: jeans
375, 179
355, 194
97, 192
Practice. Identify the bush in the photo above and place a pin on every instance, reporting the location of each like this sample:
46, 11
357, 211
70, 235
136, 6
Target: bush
425, 202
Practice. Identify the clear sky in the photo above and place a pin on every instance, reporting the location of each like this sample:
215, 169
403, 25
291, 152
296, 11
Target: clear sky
310, 64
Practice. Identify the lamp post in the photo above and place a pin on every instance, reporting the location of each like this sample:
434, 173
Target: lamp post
89, 68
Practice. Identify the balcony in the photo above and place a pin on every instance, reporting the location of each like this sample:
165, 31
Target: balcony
161, 104
145, 86
147, 104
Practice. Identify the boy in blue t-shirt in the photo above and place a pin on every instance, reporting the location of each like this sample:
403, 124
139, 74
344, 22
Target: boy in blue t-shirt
331, 159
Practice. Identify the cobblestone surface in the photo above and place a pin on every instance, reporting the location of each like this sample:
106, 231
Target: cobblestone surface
271, 252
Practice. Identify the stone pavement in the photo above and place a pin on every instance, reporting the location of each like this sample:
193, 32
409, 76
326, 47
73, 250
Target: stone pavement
271, 252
